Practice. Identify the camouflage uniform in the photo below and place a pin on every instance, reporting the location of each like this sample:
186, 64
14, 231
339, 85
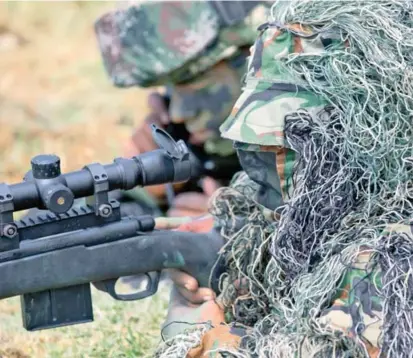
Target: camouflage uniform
183, 46
256, 125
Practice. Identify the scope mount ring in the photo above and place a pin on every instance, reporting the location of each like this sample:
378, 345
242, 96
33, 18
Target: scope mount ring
100, 198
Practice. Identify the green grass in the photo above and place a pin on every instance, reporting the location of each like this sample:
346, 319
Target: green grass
120, 330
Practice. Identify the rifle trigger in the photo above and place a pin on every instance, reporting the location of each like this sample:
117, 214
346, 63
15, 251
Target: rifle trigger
108, 286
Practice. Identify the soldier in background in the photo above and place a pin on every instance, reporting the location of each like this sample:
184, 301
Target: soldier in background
196, 109
198, 52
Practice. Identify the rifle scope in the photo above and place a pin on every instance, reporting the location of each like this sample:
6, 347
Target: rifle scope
44, 187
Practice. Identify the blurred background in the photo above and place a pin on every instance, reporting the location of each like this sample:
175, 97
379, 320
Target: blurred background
55, 98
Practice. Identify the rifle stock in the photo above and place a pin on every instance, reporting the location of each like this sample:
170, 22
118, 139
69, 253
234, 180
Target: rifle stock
97, 254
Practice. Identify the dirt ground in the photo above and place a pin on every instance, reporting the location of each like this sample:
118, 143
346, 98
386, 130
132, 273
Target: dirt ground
56, 98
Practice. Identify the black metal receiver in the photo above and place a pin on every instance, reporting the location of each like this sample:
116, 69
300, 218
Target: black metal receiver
51, 259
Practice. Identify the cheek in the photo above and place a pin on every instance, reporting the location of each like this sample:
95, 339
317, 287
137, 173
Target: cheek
199, 134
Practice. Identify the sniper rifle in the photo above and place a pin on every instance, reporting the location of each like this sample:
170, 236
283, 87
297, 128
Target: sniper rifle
51, 259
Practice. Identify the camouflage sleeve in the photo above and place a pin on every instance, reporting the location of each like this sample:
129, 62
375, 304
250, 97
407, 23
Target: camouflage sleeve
222, 337
359, 305
356, 309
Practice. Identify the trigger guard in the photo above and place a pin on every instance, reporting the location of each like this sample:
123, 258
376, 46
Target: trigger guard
108, 286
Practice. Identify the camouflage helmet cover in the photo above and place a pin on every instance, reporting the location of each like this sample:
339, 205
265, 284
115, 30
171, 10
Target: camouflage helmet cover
271, 92
144, 42
157, 43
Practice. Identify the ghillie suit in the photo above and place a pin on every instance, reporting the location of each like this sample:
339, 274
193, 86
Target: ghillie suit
324, 128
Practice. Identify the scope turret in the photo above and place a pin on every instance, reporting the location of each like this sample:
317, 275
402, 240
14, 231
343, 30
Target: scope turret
45, 166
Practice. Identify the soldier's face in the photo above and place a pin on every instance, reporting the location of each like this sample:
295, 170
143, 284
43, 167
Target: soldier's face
206, 102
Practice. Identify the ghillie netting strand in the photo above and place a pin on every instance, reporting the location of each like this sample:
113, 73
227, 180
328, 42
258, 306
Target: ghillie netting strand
353, 178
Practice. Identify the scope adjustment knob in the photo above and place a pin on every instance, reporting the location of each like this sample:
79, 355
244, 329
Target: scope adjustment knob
45, 166
58, 198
